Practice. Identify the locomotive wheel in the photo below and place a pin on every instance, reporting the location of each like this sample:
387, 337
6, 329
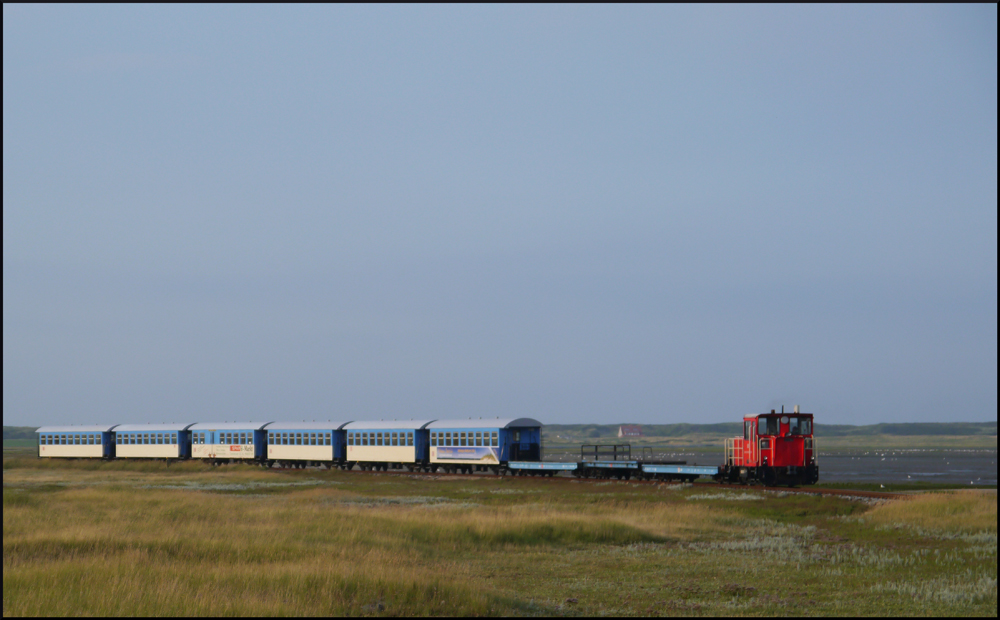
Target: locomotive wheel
769, 478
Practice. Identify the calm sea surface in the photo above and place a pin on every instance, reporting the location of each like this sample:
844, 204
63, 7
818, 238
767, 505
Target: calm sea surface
970, 467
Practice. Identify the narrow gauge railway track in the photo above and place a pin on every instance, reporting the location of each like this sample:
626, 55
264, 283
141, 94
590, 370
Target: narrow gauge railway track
712, 485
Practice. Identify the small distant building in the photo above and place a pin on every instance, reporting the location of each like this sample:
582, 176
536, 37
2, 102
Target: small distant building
630, 430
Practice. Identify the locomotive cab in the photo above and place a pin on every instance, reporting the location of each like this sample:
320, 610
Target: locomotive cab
776, 448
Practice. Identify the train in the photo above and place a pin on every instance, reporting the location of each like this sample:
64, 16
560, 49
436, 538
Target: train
776, 448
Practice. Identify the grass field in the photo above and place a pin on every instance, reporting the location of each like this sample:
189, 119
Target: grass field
126, 538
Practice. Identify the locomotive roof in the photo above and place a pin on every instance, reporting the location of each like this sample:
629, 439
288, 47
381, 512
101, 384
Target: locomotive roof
83, 428
388, 424
228, 426
127, 428
486, 423
314, 425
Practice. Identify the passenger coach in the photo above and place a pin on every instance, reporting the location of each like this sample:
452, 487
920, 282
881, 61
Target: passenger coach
386, 445
221, 442
95, 441
153, 441
483, 444
299, 444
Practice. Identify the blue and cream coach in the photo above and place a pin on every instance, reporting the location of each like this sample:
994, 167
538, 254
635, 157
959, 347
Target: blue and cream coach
153, 441
221, 442
95, 441
483, 444
303, 443
391, 444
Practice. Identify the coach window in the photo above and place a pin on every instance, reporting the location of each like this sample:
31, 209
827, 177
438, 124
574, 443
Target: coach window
367, 439
312, 439
328, 439
409, 439
395, 439
479, 439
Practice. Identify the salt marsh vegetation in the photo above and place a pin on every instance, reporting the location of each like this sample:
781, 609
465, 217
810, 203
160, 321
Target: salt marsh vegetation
191, 540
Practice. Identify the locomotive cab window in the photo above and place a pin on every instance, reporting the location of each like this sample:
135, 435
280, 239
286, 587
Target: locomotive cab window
767, 426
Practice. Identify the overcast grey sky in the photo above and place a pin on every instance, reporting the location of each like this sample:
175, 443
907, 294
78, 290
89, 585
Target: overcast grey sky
651, 214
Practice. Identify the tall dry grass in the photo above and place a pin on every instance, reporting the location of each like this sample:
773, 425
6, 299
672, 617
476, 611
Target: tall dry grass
117, 551
960, 511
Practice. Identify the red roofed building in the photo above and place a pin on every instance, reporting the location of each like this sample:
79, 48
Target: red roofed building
629, 430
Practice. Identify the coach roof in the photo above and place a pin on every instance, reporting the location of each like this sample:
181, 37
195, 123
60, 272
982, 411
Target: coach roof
314, 425
83, 428
486, 423
228, 426
388, 425
132, 428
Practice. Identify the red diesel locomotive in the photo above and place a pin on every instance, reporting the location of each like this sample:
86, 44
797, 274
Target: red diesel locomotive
776, 448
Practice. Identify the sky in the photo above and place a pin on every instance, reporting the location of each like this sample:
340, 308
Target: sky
582, 214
